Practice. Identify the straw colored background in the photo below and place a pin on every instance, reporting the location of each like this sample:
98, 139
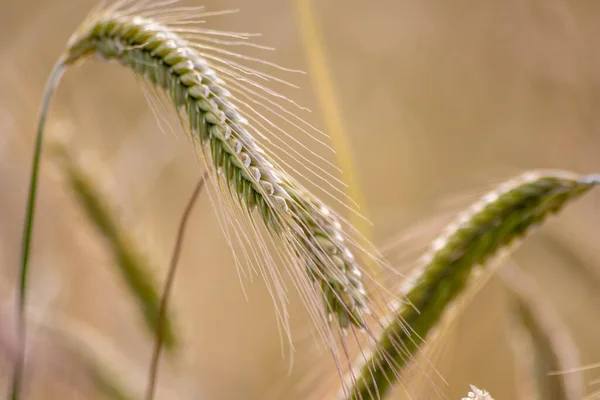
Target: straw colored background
440, 100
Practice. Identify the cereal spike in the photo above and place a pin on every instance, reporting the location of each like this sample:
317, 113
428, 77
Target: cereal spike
171, 63
445, 272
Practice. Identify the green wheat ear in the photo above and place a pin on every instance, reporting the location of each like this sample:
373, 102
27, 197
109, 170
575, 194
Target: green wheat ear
447, 270
128, 260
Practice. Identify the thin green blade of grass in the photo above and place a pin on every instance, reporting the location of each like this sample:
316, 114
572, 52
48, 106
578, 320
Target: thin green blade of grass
547, 346
448, 269
19, 364
131, 264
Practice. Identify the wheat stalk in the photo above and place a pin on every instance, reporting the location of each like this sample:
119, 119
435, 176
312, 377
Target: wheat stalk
157, 44
447, 270
167, 288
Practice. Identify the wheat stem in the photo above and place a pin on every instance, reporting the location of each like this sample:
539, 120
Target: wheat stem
447, 270
19, 364
152, 379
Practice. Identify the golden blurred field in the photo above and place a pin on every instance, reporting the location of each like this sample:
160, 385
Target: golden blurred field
440, 101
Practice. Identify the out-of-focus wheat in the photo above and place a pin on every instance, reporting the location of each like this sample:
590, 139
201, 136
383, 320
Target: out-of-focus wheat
448, 269
131, 264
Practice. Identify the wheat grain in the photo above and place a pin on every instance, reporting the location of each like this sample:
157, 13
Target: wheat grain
447, 269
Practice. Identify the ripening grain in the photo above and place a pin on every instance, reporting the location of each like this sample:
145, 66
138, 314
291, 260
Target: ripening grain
215, 96
455, 258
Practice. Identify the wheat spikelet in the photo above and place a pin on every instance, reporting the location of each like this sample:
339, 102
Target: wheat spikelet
446, 271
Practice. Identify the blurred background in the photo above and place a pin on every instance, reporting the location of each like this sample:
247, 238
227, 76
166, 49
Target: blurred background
440, 100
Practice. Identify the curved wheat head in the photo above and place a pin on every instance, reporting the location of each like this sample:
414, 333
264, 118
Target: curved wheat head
268, 217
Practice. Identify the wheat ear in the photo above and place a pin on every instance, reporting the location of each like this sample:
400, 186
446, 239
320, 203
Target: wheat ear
446, 271
131, 264
308, 236
156, 53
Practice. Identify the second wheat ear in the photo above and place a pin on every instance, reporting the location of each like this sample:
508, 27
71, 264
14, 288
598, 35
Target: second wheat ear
448, 270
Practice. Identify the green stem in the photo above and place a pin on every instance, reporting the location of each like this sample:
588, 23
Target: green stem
19, 364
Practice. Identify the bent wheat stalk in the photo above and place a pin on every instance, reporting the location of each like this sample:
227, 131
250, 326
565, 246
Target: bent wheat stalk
157, 45
168, 286
19, 363
447, 270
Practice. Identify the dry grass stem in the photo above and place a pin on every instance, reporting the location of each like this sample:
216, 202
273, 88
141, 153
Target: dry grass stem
168, 285
324, 87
